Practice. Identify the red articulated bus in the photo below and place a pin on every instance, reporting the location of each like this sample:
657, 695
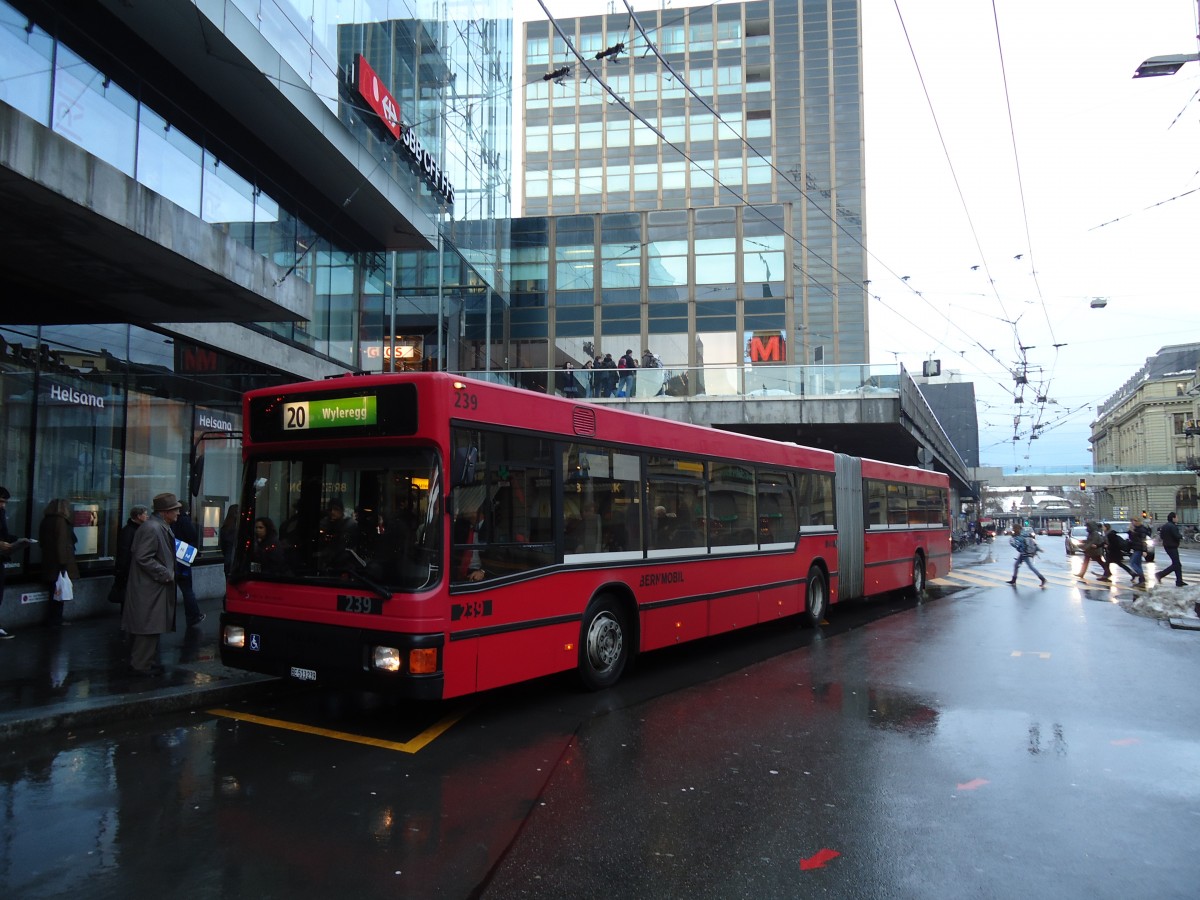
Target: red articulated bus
434, 535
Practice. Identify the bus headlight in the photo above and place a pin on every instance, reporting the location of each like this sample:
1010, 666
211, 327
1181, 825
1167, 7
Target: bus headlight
386, 659
235, 636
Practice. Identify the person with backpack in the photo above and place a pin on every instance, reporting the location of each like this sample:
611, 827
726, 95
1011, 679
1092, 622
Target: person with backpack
1169, 532
1026, 546
1092, 550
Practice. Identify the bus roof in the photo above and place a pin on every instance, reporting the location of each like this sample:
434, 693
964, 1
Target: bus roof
442, 398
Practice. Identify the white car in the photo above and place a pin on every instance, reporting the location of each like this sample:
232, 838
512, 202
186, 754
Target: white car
1075, 539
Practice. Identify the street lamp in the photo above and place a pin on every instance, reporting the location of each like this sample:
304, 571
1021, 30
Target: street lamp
1165, 65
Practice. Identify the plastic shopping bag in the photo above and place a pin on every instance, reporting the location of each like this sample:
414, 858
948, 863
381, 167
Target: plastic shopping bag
63, 591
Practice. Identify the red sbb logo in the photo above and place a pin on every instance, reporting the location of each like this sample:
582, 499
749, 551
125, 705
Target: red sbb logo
378, 97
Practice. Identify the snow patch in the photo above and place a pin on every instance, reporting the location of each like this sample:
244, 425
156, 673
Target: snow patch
1165, 601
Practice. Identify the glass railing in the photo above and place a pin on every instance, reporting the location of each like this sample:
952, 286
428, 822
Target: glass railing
1145, 468
746, 382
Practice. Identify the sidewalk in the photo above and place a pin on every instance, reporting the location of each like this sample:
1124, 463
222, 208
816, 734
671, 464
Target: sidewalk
76, 675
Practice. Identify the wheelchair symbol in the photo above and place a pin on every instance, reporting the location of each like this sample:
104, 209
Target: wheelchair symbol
255, 642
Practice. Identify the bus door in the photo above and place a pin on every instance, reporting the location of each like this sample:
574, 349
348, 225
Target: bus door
848, 500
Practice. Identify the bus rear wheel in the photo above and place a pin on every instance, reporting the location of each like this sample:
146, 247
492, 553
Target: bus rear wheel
603, 644
816, 597
918, 575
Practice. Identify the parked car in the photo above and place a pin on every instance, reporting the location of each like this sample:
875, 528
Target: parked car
1075, 539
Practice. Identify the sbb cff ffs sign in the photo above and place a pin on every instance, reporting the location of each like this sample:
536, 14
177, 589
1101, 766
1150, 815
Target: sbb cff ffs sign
378, 97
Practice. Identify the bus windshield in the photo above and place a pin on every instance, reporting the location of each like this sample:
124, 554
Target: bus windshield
333, 515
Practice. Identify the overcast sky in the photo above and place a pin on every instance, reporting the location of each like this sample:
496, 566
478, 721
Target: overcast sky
1030, 153
1088, 183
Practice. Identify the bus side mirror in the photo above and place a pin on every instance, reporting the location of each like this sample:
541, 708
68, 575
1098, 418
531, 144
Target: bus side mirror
463, 470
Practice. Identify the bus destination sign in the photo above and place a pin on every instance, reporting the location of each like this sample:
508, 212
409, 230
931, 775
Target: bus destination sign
335, 412
382, 410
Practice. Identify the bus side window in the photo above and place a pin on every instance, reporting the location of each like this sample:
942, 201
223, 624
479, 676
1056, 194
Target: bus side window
512, 492
600, 508
776, 507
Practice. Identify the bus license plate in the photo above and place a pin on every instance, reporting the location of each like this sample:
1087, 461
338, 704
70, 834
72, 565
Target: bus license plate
372, 606
304, 674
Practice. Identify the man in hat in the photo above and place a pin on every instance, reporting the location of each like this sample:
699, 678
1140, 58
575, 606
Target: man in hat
150, 595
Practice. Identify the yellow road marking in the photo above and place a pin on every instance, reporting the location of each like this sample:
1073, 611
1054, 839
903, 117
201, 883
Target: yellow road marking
413, 746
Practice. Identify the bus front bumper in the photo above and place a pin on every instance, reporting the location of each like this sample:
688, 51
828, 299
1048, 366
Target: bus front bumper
404, 665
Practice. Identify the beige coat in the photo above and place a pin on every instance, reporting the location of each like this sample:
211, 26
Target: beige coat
150, 593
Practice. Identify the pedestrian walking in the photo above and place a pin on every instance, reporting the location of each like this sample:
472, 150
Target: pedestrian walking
184, 529
1138, 533
1169, 533
56, 535
1026, 546
150, 597
1114, 553
1093, 551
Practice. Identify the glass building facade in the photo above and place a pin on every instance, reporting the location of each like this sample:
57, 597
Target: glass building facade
703, 290
107, 415
740, 125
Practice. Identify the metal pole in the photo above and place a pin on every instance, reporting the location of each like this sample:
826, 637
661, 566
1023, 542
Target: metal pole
487, 331
440, 279
392, 319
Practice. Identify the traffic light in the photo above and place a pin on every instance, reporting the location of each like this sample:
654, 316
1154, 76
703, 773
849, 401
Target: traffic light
1145, 515
1083, 484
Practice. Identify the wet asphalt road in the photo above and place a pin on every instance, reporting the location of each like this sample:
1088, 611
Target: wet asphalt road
989, 742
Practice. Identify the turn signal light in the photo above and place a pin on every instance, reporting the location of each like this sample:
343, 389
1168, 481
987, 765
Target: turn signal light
422, 662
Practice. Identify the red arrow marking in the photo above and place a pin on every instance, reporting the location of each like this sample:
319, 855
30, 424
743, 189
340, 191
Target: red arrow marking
818, 859
973, 783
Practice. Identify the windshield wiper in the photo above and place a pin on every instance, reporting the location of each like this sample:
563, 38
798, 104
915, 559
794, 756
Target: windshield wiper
363, 579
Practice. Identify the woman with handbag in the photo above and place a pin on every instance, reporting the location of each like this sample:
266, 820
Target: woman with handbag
56, 537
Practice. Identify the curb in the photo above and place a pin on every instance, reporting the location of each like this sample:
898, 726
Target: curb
125, 708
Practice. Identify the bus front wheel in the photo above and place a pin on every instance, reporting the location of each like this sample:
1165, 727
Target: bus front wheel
816, 597
603, 645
